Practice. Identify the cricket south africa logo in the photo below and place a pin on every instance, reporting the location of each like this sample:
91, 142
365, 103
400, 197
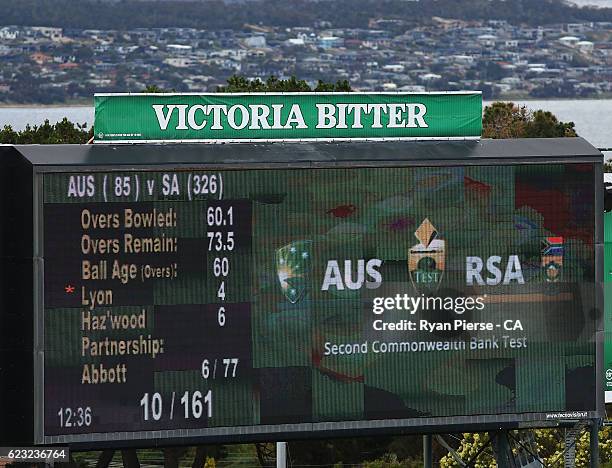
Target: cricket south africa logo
426, 260
293, 269
552, 258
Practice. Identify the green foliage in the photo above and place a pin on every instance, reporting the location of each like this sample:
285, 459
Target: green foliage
605, 447
342, 451
507, 120
154, 89
550, 446
469, 447
63, 132
240, 84
544, 124
390, 460
339, 86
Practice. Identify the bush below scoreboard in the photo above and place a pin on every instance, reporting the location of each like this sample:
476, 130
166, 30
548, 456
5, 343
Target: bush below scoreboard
243, 301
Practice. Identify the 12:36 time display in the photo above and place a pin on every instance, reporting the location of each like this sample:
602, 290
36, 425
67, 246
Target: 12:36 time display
75, 417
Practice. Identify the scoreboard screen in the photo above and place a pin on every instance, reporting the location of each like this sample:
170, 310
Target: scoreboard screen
193, 302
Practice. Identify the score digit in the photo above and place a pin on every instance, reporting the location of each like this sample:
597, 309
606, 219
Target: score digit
217, 241
122, 186
221, 316
205, 369
221, 291
221, 267
196, 407
230, 366
154, 404
228, 363
216, 217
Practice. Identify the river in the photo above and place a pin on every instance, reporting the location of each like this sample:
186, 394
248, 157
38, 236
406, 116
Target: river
592, 3
593, 117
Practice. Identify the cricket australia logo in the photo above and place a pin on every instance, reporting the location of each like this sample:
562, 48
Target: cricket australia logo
552, 258
426, 260
293, 269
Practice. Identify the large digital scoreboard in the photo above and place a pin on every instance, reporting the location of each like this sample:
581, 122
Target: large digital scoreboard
242, 292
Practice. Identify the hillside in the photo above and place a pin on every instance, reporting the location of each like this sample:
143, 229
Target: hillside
128, 14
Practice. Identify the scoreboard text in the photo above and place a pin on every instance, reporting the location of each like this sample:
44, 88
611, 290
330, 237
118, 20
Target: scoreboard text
201, 299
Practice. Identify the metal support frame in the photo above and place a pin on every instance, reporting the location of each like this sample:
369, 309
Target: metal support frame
171, 458
502, 449
105, 458
427, 451
571, 436
594, 442
525, 450
281, 455
266, 454
457, 457
451, 450
501, 442
130, 458
200, 457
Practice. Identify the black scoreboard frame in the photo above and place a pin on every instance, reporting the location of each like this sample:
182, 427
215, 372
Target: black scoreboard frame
21, 274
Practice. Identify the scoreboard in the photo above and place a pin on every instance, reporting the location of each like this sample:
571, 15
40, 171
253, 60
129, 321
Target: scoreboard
180, 295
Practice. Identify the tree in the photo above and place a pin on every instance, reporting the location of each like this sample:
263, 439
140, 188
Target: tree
543, 124
507, 120
240, 84
153, 89
550, 446
63, 132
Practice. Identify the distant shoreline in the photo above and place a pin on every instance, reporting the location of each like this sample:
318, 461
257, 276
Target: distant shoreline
592, 117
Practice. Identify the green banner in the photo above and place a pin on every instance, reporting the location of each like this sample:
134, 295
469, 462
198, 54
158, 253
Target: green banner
289, 116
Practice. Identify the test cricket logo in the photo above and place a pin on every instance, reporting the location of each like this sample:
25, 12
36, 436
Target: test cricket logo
426, 259
293, 269
552, 258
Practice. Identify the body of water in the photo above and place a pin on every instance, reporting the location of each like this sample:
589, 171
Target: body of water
19, 117
594, 3
593, 117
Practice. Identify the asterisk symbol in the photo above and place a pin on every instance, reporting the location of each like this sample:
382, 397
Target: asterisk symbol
69, 289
